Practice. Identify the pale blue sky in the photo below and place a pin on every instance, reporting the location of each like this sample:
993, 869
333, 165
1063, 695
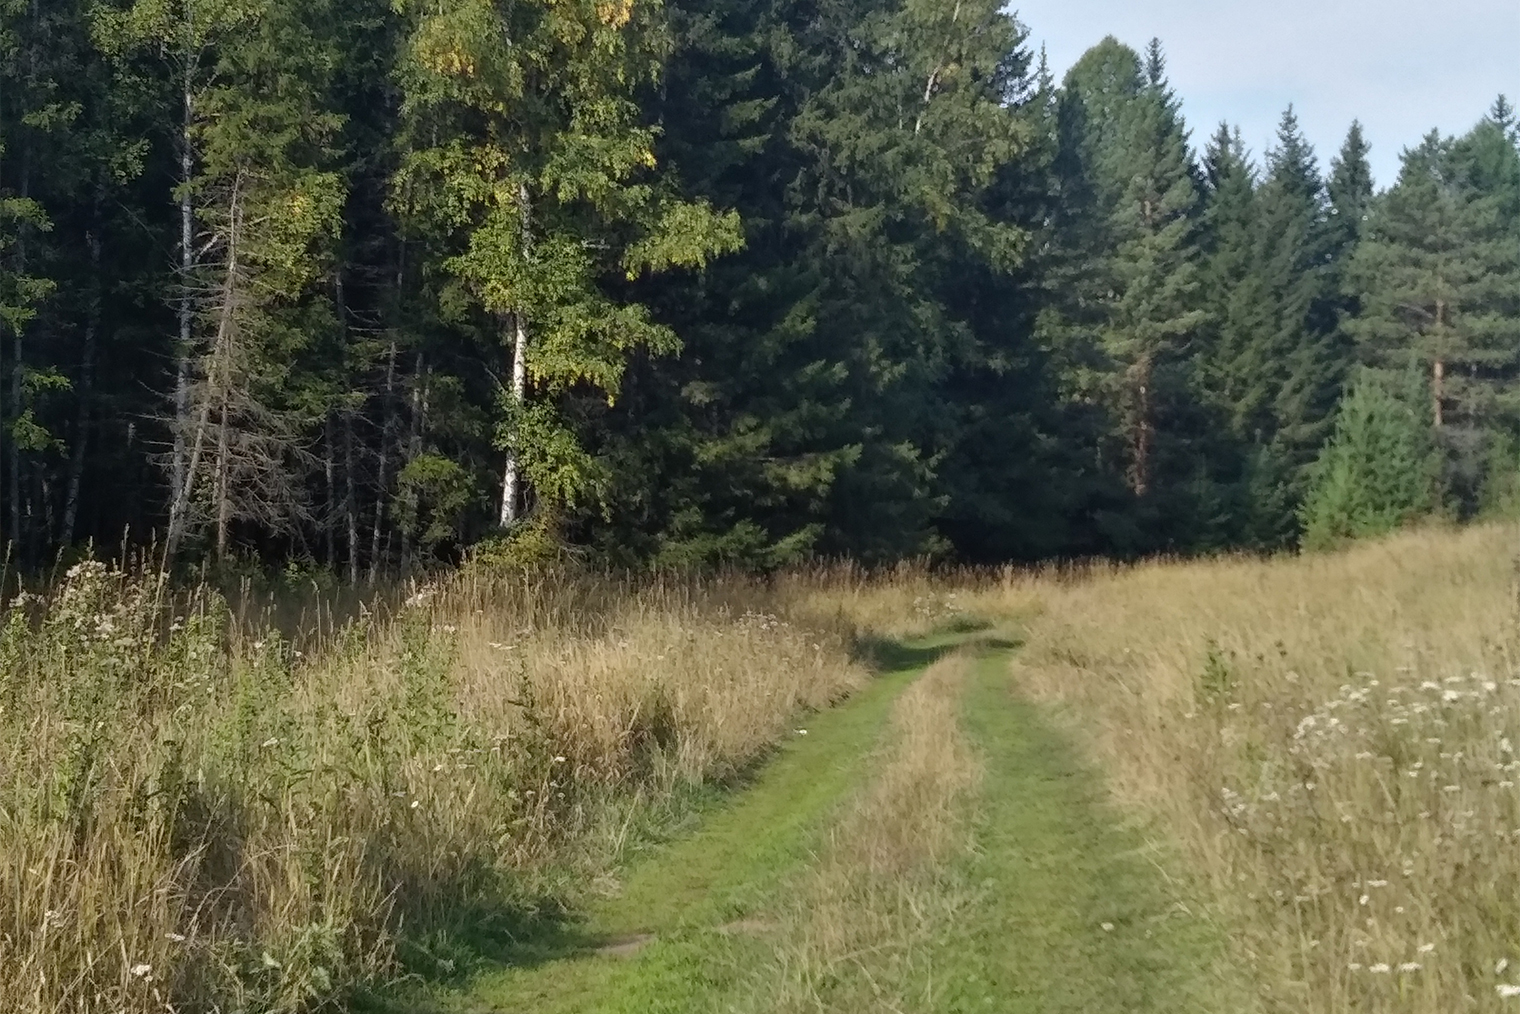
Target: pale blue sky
1400, 66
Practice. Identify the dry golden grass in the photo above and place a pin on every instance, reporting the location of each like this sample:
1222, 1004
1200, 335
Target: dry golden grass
881, 890
909, 600
205, 818
1332, 740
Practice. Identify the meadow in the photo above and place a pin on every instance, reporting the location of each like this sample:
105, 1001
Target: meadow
208, 806
1329, 741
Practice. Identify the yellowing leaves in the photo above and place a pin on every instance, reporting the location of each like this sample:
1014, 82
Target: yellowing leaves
451, 62
615, 13
444, 44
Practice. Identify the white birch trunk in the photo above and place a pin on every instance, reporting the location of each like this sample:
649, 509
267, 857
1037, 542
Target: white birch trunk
511, 486
511, 491
180, 463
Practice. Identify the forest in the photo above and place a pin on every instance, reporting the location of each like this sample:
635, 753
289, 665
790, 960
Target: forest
371, 284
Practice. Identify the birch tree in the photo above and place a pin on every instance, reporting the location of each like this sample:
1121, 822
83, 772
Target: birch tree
258, 214
526, 152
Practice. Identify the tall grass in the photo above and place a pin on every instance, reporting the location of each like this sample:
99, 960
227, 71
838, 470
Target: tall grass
200, 813
1332, 739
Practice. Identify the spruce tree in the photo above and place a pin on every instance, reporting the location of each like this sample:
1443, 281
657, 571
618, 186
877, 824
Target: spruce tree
1299, 360
1120, 330
1350, 190
1379, 469
1439, 273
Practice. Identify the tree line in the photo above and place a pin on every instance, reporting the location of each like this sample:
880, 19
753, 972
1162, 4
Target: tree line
368, 282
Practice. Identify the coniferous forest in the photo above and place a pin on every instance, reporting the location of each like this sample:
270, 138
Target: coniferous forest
366, 283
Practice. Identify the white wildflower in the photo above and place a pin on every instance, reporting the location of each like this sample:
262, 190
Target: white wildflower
143, 971
1381, 968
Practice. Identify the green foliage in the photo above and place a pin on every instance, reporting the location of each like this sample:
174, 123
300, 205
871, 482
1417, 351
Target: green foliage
433, 494
1379, 469
534, 544
530, 162
710, 282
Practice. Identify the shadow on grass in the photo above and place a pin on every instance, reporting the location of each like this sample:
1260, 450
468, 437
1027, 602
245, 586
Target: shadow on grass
451, 958
886, 655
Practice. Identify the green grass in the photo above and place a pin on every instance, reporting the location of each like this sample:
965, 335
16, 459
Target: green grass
1056, 864
1053, 866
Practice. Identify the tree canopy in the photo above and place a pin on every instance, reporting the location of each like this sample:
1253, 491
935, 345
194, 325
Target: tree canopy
712, 282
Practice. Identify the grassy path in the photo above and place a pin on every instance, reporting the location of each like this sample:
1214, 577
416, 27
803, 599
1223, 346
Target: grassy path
1066, 912
675, 938
1073, 916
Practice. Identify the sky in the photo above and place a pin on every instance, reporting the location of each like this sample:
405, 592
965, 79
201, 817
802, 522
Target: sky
1402, 67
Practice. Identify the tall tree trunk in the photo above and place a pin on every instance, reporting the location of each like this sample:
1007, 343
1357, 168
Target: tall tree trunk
350, 506
330, 519
18, 533
414, 445
1438, 391
217, 375
186, 308
86, 374
380, 470
1438, 370
1145, 436
222, 484
511, 491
